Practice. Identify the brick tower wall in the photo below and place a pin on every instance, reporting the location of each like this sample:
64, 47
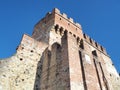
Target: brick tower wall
58, 56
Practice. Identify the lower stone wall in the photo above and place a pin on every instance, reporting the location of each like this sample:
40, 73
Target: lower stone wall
18, 72
37, 66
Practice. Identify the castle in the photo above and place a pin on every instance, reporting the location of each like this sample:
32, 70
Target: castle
58, 56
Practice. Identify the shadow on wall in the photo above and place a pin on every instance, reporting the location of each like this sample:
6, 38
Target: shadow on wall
43, 69
53, 68
40, 70
38, 74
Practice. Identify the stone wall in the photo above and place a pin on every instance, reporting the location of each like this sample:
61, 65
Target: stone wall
18, 72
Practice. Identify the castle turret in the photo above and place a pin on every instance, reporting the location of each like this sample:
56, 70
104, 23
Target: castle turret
58, 56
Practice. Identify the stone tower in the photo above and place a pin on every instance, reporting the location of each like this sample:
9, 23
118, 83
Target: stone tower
58, 56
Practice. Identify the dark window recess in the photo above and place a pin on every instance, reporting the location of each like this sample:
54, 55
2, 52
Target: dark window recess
65, 32
56, 28
96, 44
22, 79
94, 53
84, 36
110, 74
21, 59
70, 32
58, 46
74, 35
90, 40
81, 44
78, 39
38, 76
4, 75
61, 30
60, 18
31, 50
36, 85
101, 48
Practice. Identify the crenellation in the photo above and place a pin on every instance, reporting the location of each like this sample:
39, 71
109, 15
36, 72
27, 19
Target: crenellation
94, 43
56, 10
59, 20
71, 20
91, 41
64, 15
101, 48
78, 25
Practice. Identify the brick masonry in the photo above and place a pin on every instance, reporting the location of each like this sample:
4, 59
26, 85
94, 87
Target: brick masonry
58, 56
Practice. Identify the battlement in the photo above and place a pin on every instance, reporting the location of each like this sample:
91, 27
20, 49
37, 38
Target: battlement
69, 19
61, 22
60, 19
94, 43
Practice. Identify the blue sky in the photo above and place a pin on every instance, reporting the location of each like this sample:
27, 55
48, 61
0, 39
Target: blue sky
100, 19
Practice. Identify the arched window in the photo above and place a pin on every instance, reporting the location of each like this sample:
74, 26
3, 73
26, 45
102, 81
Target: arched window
78, 39
61, 30
56, 28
